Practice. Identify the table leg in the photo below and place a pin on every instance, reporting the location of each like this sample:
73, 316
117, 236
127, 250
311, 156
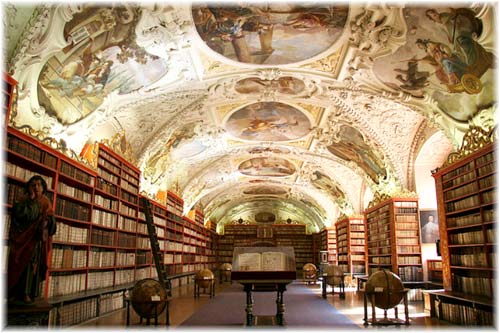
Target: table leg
280, 310
374, 316
249, 307
365, 303
407, 316
342, 287
156, 314
323, 287
167, 314
128, 313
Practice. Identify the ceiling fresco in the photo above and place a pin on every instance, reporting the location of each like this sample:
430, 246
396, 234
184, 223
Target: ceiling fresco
267, 167
443, 57
268, 121
270, 112
270, 33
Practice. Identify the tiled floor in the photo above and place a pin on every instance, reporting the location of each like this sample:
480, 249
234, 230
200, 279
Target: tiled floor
184, 304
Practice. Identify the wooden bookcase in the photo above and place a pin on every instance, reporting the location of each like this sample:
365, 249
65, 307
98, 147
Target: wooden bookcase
466, 197
102, 245
392, 238
270, 235
435, 272
351, 245
8, 90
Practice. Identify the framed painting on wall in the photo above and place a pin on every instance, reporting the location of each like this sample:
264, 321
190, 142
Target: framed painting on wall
429, 226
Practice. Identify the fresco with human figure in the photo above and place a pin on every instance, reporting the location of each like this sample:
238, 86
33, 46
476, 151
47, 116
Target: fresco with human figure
270, 33
443, 57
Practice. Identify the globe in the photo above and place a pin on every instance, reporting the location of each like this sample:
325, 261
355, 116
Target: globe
309, 271
143, 293
225, 271
204, 278
226, 267
387, 288
333, 275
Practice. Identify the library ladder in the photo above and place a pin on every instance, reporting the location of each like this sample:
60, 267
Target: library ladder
155, 246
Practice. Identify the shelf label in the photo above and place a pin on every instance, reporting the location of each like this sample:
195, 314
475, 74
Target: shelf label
155, 297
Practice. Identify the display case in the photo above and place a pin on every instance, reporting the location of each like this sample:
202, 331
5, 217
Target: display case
255, 263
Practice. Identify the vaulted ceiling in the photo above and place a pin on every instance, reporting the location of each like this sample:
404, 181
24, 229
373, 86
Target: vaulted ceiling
269, 112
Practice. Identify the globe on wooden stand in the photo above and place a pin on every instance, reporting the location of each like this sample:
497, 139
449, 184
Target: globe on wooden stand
148, 298
204, 279
310, 272
385, 290
333, 276
225, 272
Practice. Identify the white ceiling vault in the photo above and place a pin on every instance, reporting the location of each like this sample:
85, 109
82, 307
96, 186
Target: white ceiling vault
257, 113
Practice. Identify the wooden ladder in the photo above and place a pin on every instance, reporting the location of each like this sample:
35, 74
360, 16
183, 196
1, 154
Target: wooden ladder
155, 246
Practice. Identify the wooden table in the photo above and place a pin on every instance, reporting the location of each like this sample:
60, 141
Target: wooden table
264, 282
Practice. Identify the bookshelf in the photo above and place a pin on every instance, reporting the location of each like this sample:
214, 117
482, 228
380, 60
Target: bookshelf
351, 244
8, 90
245, 235
102, 245
392, 238
435, 272
465, 193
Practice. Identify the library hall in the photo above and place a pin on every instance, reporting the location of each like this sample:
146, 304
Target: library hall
230, 165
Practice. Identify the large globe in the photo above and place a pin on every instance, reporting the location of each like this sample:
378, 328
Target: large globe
143, 293
387, 288
204, 278
333, 275
309, 271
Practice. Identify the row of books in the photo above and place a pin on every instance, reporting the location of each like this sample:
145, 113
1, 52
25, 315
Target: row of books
407, 241
471, 237
19, 172
463, 315
107, 187
60, 285
68, 258
76, 173
410, 273
486, 169
102, 258
379, 250
461, 191
409, 260
130, 198
31, 152
408, 249
459, 180
111, 302
108, 165
486, 182
73, 313
106, 202
72, 210
127, 210
104, 218
100, 279
124, 276
128, 224
475, 259
407, 233
70, 234
129, 187
407, 211
15, 193
469, 202
473, 285
405, 204
108, 176
109, 157
134, 180
458, 171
